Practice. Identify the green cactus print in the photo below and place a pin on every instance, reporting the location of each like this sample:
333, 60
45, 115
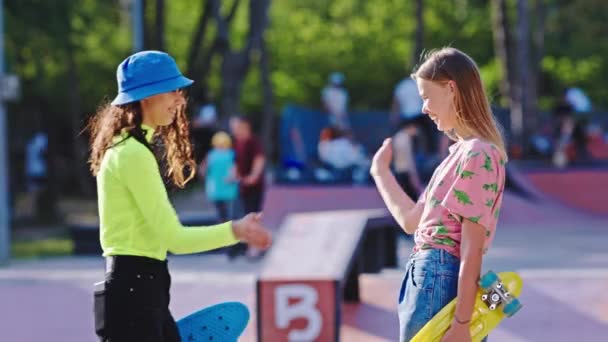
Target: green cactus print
490, 203
456, 218
496, 213
458, 169
487, 164
502, 162
472, 154
426, 246
441, 229
462, 197
491, 187
435, 202
445, 241
467, 174
475, 219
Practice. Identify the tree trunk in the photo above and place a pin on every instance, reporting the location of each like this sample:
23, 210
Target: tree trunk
502, 48
198, 39
234, 69
46, 203
419, 41
523, 62
520, 108
149, 42
535, 65
268, 96
159, 27
194, 69
235, 64
79, 148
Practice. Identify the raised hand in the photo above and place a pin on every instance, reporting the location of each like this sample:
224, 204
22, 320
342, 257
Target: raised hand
383, 157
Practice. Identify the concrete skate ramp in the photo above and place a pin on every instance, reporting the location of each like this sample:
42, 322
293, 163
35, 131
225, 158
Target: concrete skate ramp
577, 189
282, 200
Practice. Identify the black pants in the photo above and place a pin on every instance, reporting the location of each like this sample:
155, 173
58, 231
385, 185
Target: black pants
134, 306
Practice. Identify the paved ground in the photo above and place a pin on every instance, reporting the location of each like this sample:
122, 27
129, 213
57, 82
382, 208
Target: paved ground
565, 270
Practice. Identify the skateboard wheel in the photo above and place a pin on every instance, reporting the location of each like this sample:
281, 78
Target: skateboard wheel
484, 297
488, 280
512, 308
492, 307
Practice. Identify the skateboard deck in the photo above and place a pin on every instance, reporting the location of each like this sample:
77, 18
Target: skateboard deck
496, 299
223, 322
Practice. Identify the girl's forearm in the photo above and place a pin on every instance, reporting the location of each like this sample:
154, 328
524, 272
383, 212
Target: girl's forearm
396, 200
470, 267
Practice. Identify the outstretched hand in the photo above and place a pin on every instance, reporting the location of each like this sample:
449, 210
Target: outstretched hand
383, 157
250, 230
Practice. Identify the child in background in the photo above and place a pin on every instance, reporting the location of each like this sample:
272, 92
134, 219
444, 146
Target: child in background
219, 168
404, 162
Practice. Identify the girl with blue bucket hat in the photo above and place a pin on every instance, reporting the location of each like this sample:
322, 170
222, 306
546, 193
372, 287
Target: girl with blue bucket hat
138, 224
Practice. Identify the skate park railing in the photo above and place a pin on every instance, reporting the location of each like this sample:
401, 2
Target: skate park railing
314, 266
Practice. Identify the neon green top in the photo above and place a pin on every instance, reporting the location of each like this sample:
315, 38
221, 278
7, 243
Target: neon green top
136, 216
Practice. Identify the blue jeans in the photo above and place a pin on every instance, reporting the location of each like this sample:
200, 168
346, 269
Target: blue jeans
429, 284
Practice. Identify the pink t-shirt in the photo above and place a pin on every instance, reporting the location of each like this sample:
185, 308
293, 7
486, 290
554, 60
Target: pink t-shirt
469, 183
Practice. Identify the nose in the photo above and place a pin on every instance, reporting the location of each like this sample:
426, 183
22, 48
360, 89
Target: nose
425, 109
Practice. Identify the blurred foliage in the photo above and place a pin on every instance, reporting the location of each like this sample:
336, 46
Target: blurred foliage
576, 48
38, 35
42, 248
370, 41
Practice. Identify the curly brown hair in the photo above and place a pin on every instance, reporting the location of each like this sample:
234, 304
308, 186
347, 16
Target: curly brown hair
110, 121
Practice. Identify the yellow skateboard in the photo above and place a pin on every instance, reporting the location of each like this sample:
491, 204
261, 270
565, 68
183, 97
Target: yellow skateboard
496, 299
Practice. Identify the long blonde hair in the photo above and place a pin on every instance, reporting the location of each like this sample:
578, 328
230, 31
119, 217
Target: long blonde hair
470, 101
110, 121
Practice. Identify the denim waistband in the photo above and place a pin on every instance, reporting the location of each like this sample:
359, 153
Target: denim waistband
438, 255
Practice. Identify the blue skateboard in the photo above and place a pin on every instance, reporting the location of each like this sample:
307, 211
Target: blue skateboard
223, 322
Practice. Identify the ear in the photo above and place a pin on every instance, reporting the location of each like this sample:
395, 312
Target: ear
452, 86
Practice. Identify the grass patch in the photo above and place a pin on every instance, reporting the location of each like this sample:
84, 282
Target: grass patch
42, 248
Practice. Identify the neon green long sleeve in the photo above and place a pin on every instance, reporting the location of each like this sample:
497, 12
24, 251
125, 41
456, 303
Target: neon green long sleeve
136, 216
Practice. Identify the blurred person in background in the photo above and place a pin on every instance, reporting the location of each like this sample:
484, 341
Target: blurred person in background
342, 155
219, 172
36, 170
204, 126
250, 165
404, 162
335, 101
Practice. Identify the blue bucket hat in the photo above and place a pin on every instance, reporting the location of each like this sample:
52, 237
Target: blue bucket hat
147, 73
